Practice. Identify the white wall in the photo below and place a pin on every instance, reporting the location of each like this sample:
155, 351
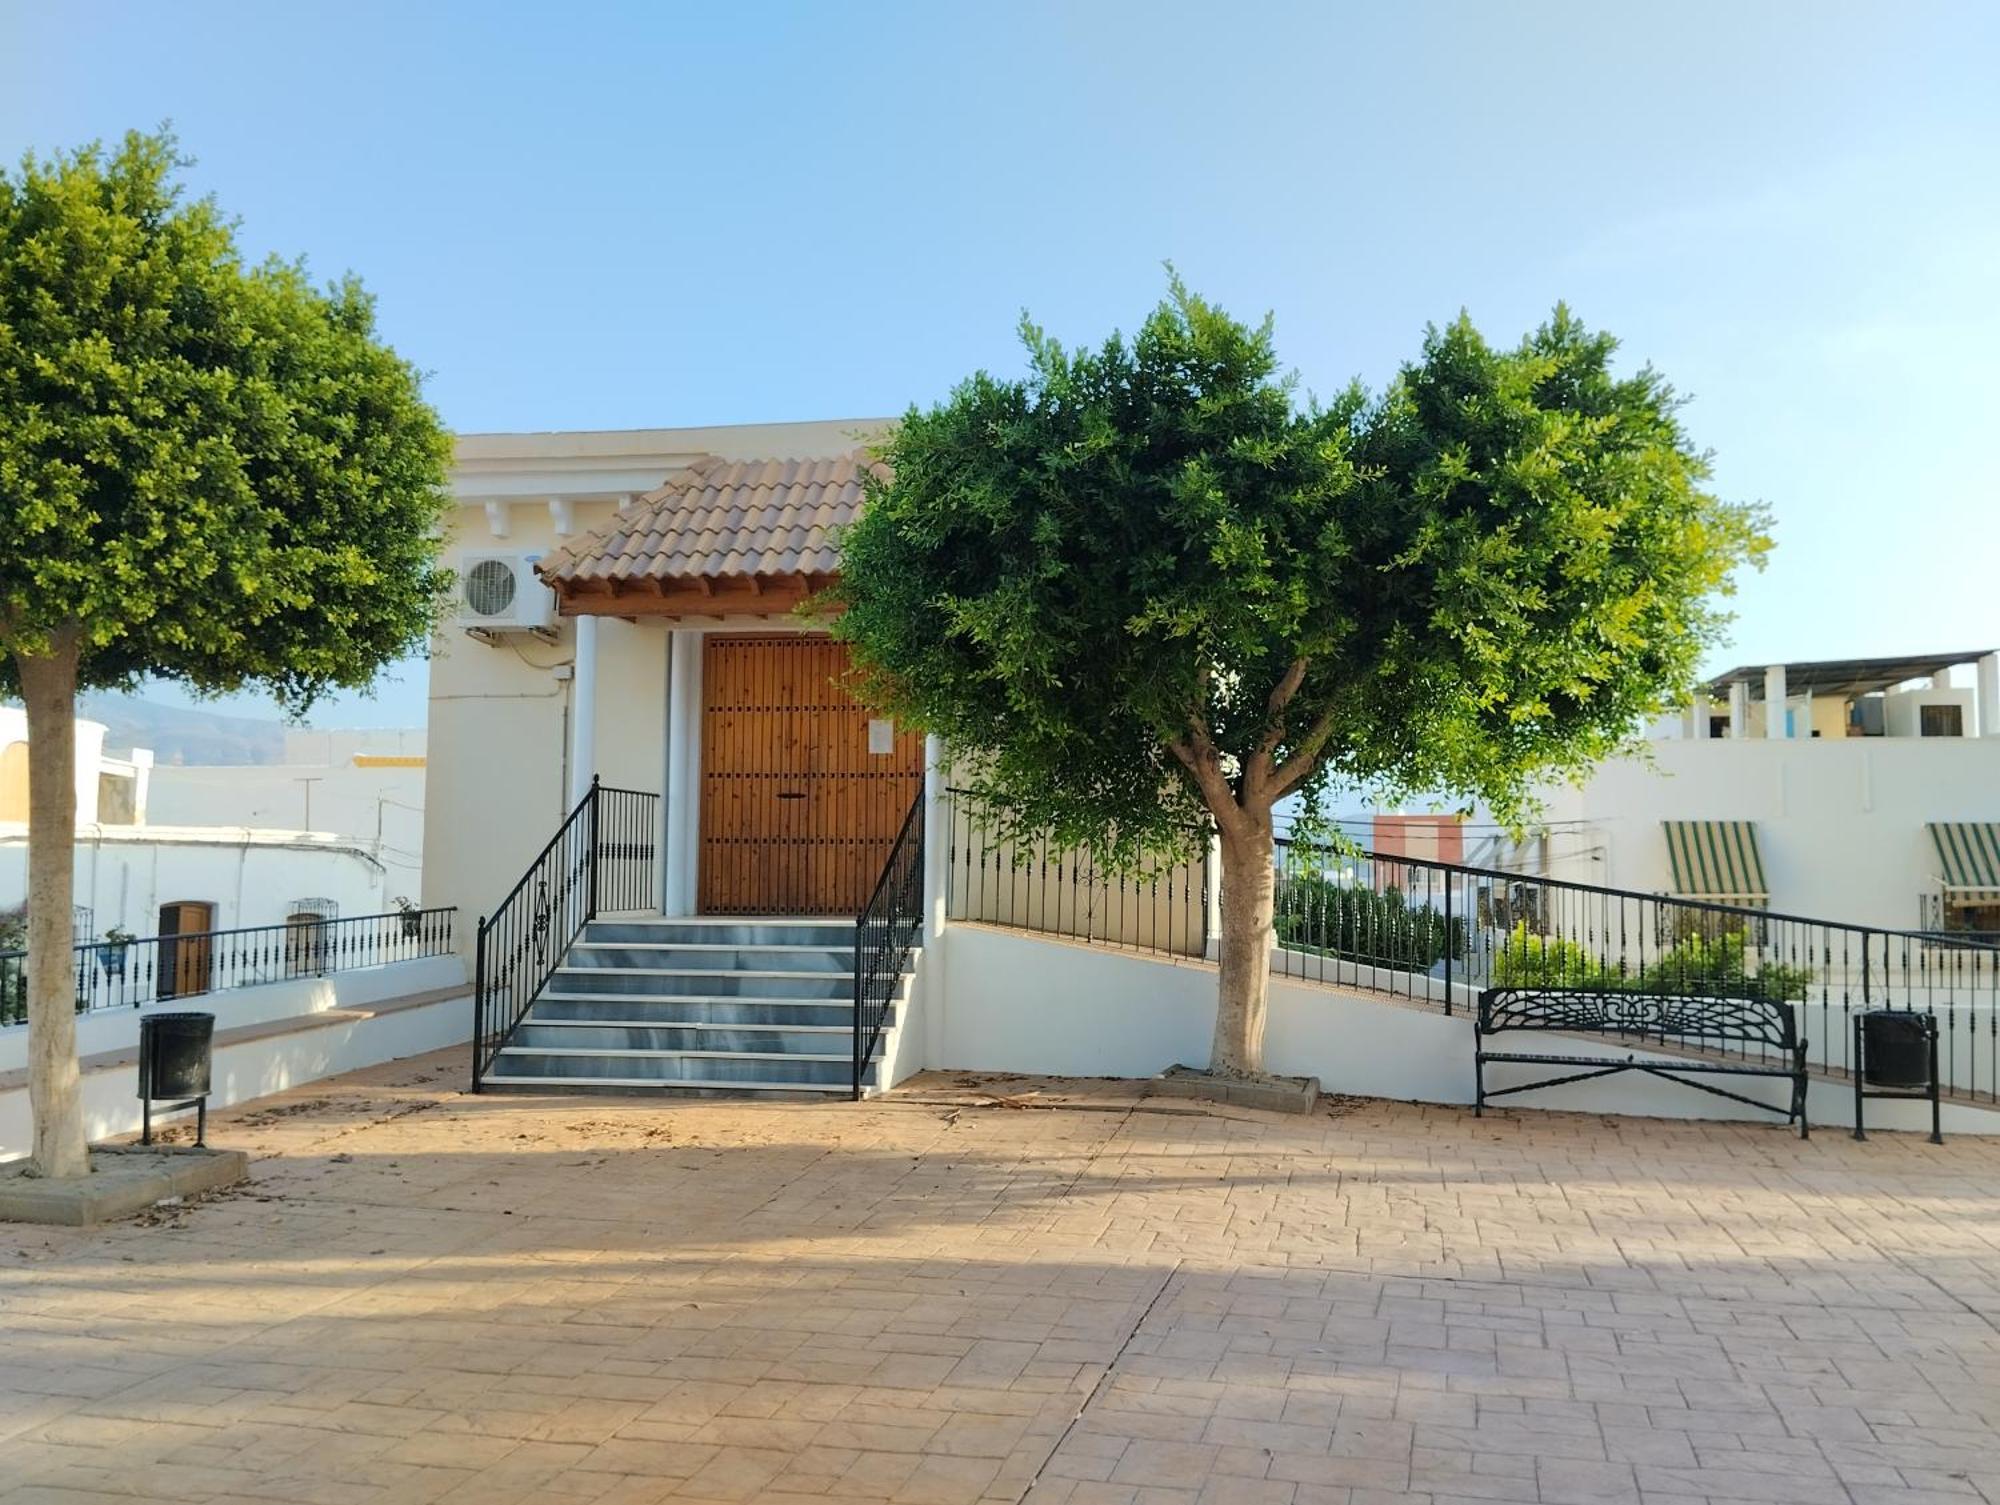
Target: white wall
118, 1028
1010, 1001
340, 745
274, 1062
124, 874
1840, 821
354, 804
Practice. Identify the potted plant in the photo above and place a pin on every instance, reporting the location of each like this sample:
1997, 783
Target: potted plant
413, 916
111, 950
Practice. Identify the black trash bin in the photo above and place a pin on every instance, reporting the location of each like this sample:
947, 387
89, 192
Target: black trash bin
175, 1052
1896, 1055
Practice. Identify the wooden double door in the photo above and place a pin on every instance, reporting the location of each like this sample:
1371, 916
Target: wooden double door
801, 797
187, 949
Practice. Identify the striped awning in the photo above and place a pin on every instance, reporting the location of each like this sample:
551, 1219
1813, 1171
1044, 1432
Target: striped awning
1717, 860
1968, 858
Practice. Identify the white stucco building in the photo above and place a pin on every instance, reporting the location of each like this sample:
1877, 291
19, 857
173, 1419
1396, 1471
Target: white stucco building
164, 849
362, 789
771, 890
1874, 799
527, 703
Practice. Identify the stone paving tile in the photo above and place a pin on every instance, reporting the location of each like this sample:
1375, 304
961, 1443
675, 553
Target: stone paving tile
984, 1290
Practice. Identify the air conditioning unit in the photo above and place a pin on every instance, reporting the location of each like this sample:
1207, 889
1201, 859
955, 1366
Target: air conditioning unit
500, 593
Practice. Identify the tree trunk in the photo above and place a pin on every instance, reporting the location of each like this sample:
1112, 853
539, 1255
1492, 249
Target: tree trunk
1249, 894
55, 1088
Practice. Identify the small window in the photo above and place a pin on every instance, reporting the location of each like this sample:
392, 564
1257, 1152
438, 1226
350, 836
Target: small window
307, 942
1718, 727
1941, 721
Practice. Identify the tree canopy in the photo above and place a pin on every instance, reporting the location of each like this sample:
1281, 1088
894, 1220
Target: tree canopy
1144, 580
210, 471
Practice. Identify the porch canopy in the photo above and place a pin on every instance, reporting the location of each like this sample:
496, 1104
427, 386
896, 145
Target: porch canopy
720, 538
1968, 860
1718, 861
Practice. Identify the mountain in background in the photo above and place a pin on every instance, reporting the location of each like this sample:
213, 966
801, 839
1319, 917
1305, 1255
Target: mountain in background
180, 735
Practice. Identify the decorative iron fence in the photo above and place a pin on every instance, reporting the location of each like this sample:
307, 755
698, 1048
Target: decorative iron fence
885, 932
1162, 909
116, 974
1440, 932
600, 861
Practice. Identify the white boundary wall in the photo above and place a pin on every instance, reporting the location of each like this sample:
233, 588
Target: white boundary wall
267, 1063
1012, 1001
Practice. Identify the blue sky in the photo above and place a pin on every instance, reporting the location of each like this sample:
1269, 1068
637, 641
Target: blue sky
602, 216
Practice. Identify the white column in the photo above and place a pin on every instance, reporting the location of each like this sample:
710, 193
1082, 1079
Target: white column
937, 841
583, 712
1739, 708
1774, 701
1212, 873
680, 853
1989, 695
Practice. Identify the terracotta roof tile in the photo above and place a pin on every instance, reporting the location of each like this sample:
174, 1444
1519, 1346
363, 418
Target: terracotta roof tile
721, 518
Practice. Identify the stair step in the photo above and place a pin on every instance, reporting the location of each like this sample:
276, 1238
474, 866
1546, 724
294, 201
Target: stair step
743, 932
695, 1013
692, 1052
655, 982
602, 1035
689, 1084
712, 1068
718, 1004
643, 956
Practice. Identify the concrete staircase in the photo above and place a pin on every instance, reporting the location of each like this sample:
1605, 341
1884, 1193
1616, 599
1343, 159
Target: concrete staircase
709, 1004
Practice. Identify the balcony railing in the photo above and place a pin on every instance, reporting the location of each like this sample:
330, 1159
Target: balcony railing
114, 974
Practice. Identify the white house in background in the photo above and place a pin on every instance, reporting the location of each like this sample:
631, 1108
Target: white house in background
363, 788
173, 850
1859, 790
108, 788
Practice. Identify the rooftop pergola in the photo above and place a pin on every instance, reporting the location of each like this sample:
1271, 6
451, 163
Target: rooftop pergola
1843, 676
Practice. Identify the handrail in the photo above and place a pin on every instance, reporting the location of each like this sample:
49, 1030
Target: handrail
885, 932
150, 969
600, 860
1363, 854
1437, 933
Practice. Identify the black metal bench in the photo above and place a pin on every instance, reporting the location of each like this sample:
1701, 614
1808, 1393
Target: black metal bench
1768, 1026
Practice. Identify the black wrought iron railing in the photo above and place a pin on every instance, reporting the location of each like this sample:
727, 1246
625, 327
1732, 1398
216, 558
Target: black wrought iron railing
1161, 909
601, 861
1440, 932
128, 973
886, 931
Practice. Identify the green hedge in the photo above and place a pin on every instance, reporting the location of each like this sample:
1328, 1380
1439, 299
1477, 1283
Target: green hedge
1360, 924
1695, 964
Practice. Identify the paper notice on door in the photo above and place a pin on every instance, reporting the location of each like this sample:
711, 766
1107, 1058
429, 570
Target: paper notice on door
881, 736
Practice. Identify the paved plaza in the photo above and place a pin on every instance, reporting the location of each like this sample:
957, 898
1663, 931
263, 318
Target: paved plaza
997, 1289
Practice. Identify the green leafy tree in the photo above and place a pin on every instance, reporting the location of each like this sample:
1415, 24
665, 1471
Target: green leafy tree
1143, 583
211, 472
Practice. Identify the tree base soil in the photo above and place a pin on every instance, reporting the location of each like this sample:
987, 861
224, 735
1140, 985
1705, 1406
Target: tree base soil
1273, 1094
124, 1180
